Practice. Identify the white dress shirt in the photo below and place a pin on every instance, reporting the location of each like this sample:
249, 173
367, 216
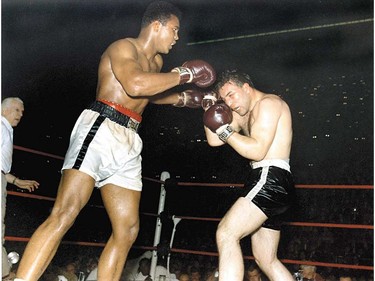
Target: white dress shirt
6, 145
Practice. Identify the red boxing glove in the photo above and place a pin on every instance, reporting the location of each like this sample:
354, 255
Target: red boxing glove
217, 118
190, 98
196, 71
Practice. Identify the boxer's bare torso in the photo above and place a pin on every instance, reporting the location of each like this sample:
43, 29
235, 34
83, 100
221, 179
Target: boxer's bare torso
113, 61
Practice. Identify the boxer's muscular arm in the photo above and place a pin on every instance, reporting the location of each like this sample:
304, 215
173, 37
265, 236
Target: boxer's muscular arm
136, 81
212, 138
189, 98
266, 116
140, 77
165, 98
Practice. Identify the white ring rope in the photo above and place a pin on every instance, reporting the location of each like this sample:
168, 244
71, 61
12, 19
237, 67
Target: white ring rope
280, 32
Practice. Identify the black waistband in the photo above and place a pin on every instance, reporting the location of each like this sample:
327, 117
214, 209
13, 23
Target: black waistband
114, 115
3, 172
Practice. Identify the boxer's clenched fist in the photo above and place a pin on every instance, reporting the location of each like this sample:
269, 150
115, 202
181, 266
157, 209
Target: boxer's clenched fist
199, 72
217, 118
190, 98
209, 99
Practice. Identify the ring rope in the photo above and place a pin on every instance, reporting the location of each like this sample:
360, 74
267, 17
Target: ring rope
282, 31
288, 261
300, 186
309, 186
315, 224
205, 253
38, 152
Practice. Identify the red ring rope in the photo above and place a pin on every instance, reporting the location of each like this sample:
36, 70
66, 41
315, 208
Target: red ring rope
301, 224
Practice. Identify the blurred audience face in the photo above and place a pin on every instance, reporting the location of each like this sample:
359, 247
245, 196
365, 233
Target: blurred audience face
70, 268
144, 266
308, 271
253, 275
195, 276
345, 279
184, 277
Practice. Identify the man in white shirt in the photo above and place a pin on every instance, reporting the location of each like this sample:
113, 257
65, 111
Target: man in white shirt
11, 113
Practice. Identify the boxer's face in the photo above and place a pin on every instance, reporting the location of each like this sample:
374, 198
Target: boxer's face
233, 95
169, 34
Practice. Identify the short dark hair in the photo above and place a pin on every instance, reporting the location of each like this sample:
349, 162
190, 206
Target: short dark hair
235, 76
253, 266
160, 11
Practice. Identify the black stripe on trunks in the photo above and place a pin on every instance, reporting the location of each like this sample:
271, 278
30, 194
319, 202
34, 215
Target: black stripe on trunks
90, 136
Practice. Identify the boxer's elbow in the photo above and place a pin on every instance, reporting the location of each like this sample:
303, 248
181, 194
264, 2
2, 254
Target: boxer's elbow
214, 142
211, 143
136, 88
254, 154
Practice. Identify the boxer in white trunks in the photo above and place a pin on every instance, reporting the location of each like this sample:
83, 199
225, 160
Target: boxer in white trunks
105, 147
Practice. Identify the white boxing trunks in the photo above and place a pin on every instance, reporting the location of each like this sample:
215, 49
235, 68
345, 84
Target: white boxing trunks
105, 144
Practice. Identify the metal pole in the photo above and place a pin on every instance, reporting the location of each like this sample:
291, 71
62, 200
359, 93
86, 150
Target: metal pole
175, 222
163, 177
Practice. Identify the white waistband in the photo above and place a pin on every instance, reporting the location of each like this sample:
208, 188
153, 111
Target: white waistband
280, 163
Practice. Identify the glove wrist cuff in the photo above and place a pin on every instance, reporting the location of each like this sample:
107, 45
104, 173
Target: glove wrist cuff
181, 100
224, 132
208, 101
186, 76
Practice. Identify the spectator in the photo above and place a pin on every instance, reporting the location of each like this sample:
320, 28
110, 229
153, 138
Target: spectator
211, 274
345, 277
184, 276
175, 267
92, 269
143, 270
132, 265
195, 274
93, 275
11, 113
161, 270
69, 272
51, 274
309, 273
253, 273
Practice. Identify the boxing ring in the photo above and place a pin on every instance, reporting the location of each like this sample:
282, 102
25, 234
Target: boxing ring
165, 222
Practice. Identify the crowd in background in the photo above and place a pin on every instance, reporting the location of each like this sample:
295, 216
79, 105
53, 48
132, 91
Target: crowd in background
308, 243
315, 244
187, 267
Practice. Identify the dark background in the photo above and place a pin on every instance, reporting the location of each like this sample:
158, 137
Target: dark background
317, 55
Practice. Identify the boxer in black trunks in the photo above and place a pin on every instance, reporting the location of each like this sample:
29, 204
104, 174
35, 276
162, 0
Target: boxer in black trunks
259, 127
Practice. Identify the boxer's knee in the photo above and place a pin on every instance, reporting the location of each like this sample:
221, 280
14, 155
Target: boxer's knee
223, 235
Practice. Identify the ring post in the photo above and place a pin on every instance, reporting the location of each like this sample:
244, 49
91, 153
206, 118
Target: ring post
163, 177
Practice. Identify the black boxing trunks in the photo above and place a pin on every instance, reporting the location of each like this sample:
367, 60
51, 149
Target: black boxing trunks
270, 186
